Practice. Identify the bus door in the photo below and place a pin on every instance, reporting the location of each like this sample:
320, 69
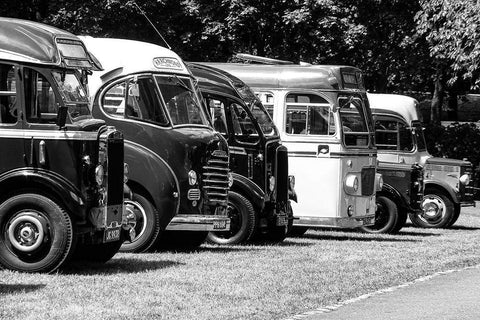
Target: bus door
309, 134
235, 123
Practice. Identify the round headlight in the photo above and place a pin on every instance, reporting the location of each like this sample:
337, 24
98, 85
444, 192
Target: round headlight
126, 172
351, 184
465, 179
271, 185
192, 177
379, 181
99, 174
230, 180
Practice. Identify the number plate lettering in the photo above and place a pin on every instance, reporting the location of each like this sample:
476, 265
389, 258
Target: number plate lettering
219, 225
111, 235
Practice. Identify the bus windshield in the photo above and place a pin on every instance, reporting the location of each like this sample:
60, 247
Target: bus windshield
419, 137
73, 93
181, 101
263, 119
354, 122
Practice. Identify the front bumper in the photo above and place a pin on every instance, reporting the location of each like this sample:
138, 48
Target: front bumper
347, 223
189, 222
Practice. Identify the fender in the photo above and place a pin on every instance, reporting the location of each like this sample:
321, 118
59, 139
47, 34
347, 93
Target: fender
151, 176
391, 193
248, 189
51, 183
442, 185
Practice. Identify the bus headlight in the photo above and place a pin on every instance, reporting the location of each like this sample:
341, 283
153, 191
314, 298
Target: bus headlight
351, 184
379, 180
271, 185
126, 172
465, 179
99, 174
192, 177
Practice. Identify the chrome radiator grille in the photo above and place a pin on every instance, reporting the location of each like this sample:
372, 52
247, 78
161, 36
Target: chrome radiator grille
215, 178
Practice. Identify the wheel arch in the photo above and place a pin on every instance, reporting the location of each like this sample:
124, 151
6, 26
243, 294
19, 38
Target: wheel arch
249, 190
48, 184
393, 194
442, 187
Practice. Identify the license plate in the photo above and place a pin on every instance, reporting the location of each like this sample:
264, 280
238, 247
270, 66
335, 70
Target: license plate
219, 225
281, 221
111, 235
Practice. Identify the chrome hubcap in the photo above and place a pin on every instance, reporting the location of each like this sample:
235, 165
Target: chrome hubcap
26, 232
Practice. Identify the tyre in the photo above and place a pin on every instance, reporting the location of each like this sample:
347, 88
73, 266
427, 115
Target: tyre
297, 231
386, 217
437, 210
146, 224
456, 215
242, 222
36, 234
181, 240
100, 253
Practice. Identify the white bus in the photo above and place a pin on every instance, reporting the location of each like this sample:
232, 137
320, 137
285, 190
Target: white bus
324, 119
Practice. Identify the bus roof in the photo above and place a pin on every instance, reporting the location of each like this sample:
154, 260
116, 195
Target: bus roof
294, 76
121, 57
214, 79
37, 43
404, 106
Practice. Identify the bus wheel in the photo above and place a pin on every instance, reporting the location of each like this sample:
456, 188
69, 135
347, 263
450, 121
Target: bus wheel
386, 217
146, 222
242, 222
36, 234
456, 215
438, 211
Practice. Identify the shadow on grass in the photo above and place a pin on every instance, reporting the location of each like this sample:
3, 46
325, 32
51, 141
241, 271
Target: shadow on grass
14, 288
116, 266
454, 227
210, 248
358, 237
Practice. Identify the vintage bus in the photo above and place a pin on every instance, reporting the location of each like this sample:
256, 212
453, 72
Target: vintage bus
259, 198
179, 164
400, 139
325, 122
61, 171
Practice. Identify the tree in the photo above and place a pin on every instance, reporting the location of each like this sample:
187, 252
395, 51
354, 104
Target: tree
452, 32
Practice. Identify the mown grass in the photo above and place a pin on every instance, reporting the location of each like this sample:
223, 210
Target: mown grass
242, 282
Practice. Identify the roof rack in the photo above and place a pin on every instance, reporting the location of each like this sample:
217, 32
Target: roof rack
257, 59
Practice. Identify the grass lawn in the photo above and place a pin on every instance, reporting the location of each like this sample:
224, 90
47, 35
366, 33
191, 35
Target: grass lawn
242, 282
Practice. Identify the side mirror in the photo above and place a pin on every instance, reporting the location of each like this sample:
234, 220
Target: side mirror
62, 116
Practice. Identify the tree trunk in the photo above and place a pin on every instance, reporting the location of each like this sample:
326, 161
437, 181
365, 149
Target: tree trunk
452, 104
437, 100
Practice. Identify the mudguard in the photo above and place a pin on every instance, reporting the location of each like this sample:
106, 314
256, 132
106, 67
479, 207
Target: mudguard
248, 189
50, 183
393, 194
438, 184
151, 176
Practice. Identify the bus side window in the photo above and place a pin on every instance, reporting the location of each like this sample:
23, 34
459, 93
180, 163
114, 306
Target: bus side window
41, 104
114, 100
296, 121
8, 95
217, 111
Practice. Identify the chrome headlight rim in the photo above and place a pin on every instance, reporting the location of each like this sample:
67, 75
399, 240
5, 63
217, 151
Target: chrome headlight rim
351, 184
192, 178
464, 179
99, 174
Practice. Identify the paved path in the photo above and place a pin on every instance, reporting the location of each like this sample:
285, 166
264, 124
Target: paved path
450, 295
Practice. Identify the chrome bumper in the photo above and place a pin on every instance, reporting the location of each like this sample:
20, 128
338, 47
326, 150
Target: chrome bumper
189, 222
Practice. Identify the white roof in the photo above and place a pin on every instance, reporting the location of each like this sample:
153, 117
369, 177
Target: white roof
405, 106
132, 57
